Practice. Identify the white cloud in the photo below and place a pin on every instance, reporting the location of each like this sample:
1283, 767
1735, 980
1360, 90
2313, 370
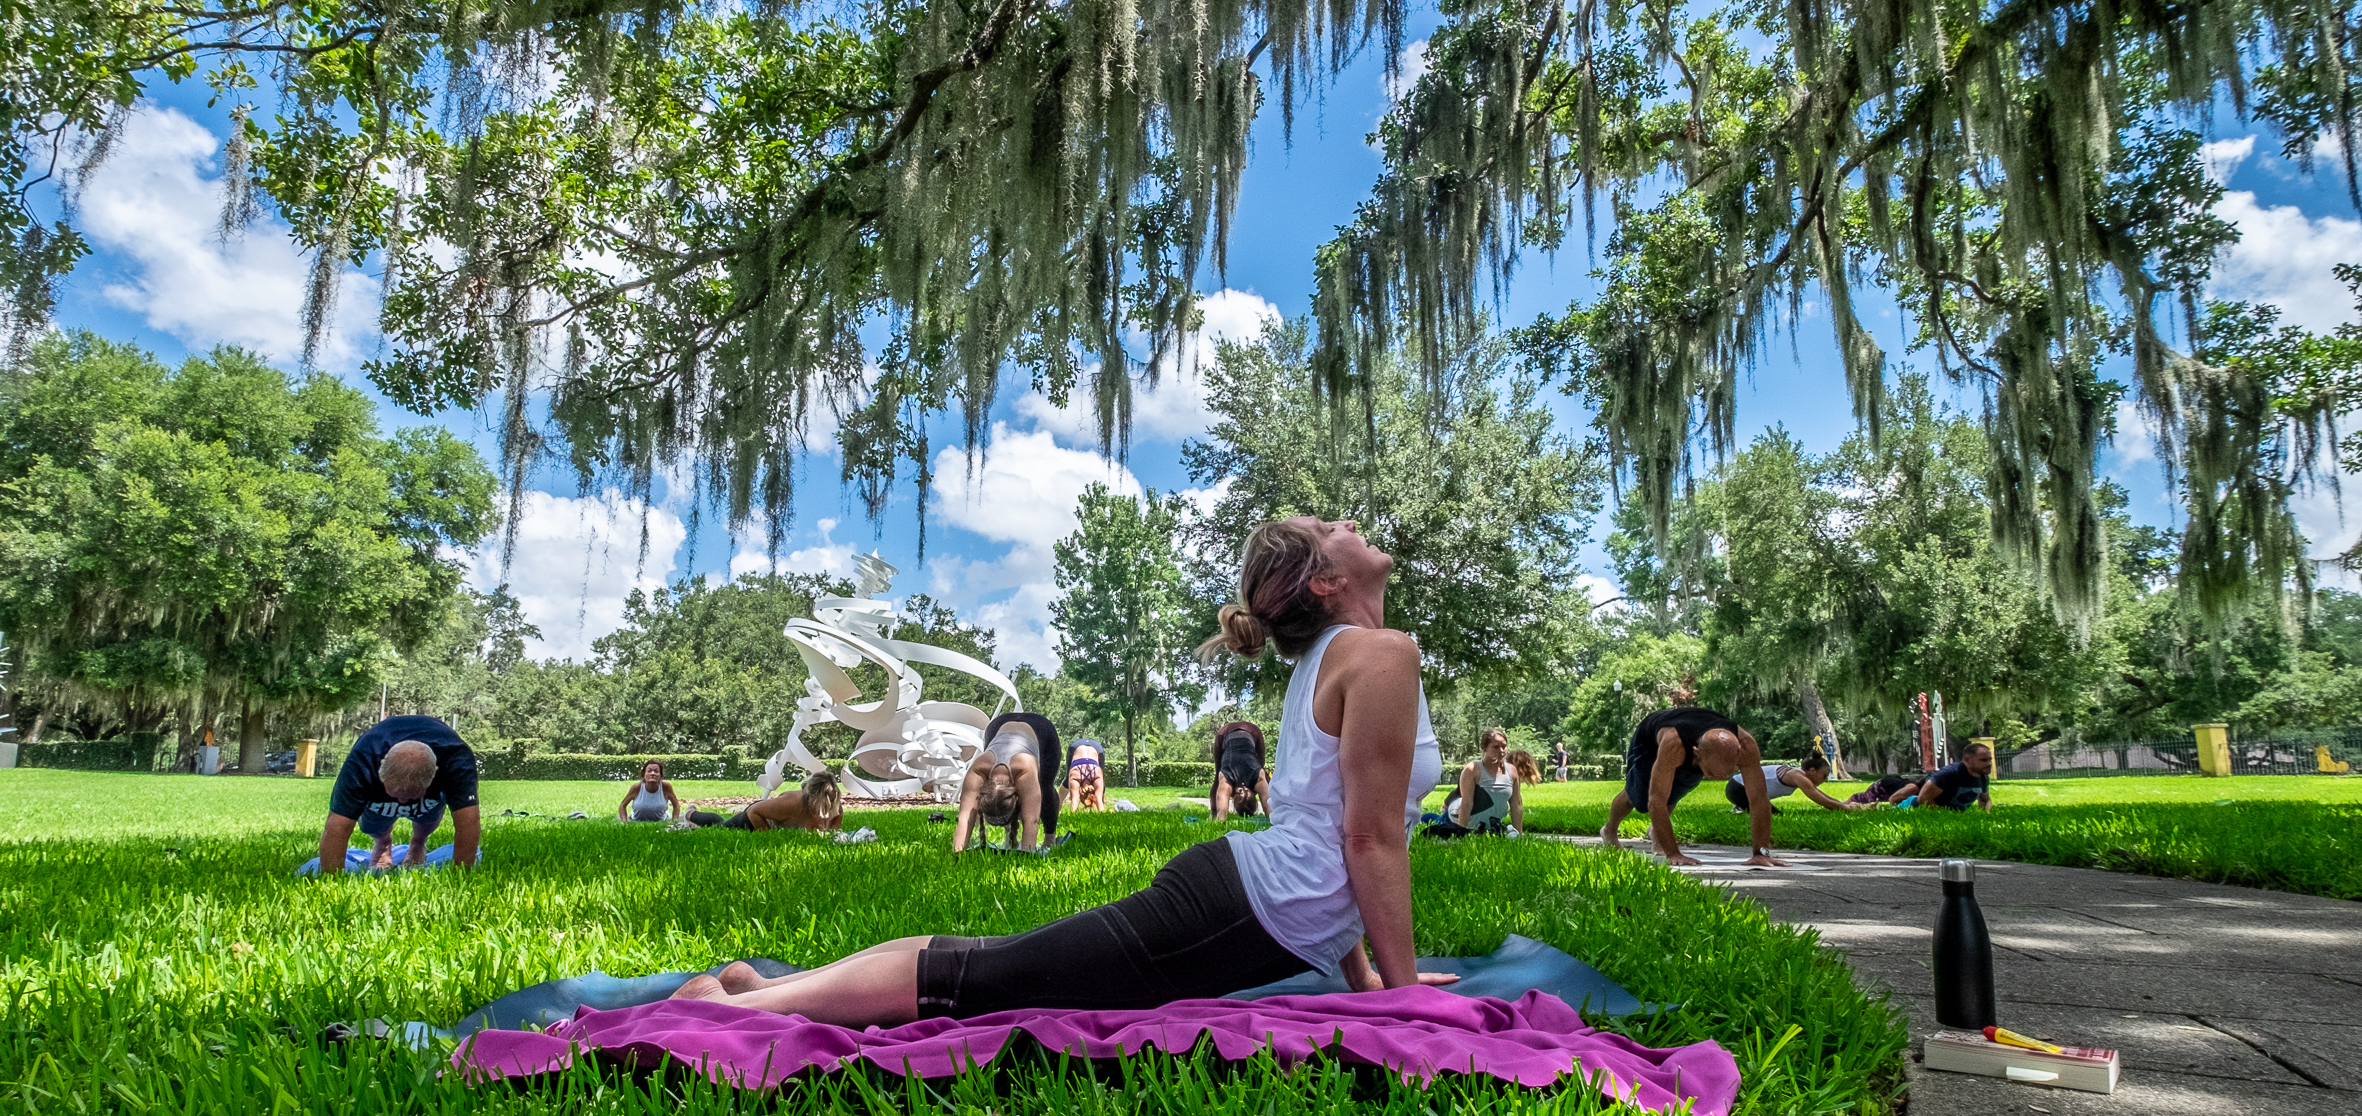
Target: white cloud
157, 202
2222, 157
827, 557
1023, 495
576, 560
2329, 529
1600, 590
1409, 67
1176, 407
2283, 258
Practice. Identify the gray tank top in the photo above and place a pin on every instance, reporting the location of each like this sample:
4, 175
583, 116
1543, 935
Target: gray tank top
1009, 745
649, 799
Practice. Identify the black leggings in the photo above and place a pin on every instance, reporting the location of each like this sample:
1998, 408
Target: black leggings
1191, 934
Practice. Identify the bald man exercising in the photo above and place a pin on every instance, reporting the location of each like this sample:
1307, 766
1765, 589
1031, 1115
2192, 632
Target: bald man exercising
1671, 753
403, 767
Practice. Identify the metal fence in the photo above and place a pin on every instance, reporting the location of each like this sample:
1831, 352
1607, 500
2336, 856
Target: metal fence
2287, 752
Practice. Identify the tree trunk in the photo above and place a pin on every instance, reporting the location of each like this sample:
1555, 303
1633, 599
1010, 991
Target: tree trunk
1816, 717
252, 743
32, 734
184, 751
1131, 758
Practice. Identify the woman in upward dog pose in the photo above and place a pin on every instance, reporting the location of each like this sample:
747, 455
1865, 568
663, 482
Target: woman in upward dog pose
1327, 886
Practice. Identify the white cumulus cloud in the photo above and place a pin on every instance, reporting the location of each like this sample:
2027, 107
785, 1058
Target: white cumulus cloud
1409, 67
1176, 407
2284, 257
576, 560
1023, 496
156, 203
828, 556
2222, 157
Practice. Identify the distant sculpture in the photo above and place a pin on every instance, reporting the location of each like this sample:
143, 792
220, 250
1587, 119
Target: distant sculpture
907, 745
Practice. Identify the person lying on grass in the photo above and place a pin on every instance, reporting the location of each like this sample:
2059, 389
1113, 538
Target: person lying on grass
1013, 782
1240, 785
411, 767
1889, 790
1086, 776
648, 798
1327, 886
1671, 752
1781, 780
1961, 784
819, 805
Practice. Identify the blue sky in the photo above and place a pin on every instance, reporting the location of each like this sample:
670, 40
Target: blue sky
161, 276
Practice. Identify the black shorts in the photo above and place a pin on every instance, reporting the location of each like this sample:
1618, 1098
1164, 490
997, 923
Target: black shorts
1191, 934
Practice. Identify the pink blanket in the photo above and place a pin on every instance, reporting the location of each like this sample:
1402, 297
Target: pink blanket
1417, 1032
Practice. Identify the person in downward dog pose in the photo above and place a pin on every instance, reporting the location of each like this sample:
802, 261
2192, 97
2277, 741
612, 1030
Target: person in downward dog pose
1240, 785
1086, 776
1013, 782
818, 805
406, 766
1327, 886
648, 798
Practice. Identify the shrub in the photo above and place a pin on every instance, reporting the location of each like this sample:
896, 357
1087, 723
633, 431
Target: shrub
137, 752
1175, 773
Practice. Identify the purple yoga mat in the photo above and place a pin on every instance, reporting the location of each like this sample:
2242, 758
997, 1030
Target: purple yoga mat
1417, 1032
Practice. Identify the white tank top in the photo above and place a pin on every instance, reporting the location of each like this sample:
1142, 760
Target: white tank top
650, 799
1294, 872
1772, 786
1500, 786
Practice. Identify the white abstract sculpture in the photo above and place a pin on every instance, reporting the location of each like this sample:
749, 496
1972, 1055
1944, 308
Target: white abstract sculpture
907, 745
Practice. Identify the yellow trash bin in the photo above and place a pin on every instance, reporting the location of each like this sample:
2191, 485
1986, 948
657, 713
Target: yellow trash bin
2214, 748
307, 757
2330, 765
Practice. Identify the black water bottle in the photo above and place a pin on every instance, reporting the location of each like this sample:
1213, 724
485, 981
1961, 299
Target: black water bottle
1964, 952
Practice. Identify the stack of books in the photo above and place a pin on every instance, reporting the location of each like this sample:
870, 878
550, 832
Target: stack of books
2072, 1067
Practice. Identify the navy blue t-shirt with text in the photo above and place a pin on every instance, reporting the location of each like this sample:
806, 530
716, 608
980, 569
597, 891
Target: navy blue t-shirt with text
359, 790
1954, 787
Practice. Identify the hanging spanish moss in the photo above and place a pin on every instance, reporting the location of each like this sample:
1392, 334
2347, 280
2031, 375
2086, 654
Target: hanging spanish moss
700, 231
2024, 176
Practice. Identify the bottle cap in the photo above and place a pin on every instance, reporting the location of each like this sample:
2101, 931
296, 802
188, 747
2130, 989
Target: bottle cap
1957, 871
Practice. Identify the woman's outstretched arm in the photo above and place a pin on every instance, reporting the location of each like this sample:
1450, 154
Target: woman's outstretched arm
675, 799
1467, 796
623, 808
1029, 806
1221, 803
1378, 723
971, 788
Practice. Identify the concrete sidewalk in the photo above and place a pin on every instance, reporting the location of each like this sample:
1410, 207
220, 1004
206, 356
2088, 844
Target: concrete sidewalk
2218, 999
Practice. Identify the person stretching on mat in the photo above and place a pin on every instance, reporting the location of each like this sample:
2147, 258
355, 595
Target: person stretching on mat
1086, 776
1671, 752
1962, 783
1781, 780
1491, 790
818, 805
404, 767
1889, 790
648, 798
1326, 887
1240, 785
1013, 782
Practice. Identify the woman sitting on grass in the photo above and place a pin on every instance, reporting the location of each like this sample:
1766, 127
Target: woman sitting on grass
1013, 782
1327, 886
819, 806
1240, 785
1086, 776
648, 798
1492, 788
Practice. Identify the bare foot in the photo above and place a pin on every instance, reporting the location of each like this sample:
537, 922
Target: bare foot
1607, 836
700, 987
738, 976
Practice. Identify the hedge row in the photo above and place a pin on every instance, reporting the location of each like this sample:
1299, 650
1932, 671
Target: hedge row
1171, 774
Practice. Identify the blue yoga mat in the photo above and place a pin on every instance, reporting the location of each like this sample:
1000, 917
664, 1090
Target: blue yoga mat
1519, 966
357, 860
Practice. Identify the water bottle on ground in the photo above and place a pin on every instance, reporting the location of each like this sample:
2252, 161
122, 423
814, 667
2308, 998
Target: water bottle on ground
1964, 952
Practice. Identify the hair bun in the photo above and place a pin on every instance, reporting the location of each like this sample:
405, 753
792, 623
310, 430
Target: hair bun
1243, 632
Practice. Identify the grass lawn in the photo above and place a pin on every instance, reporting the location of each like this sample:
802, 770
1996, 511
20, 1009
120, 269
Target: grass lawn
157, 956
2298, 833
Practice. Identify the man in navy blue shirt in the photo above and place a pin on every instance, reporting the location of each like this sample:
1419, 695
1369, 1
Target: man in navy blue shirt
1960, 785
404, 767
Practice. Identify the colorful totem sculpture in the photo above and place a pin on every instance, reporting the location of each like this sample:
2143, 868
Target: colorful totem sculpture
908, 745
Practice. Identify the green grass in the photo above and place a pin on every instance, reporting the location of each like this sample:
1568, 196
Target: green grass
2300, 833
156, 956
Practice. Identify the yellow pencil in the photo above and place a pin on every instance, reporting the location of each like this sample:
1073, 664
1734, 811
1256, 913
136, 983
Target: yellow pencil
2012, 1038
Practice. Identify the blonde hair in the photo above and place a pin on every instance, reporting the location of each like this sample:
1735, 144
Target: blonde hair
1275, 602
1528, 771
823, 796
